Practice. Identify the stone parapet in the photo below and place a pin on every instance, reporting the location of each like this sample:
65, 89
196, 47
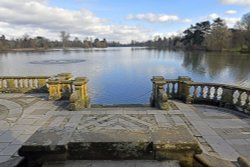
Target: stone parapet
188, 91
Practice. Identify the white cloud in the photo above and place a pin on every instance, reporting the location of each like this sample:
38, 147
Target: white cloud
187, 21
212, 16
230, 21
157, 18
154, 17
237, 2
35, 17
231, 12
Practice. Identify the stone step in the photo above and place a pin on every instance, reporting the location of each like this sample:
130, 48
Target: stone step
68, 143
128, 163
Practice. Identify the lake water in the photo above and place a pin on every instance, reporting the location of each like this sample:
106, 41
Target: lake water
122, 75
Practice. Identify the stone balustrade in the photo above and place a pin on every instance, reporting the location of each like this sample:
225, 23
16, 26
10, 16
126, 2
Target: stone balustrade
17, 84
61, 86
188, 91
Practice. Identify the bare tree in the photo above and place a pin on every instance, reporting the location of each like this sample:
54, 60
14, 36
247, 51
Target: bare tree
220, 36
64, 37
245, 26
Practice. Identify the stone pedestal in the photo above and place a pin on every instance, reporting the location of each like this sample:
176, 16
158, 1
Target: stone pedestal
159, 97
54, 89
80, 99
184, 88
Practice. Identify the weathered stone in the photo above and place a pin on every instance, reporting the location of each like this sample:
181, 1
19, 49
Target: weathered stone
210, 161
80, 99
175, 143
159, 97
244, 162
54, 89
110, 145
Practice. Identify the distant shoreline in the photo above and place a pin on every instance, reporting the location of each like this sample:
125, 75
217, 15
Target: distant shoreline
150, 48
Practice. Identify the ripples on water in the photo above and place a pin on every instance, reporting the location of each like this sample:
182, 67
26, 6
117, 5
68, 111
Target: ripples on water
62, 61
122, 75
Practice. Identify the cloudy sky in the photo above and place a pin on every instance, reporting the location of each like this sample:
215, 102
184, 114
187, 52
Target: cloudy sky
119, 20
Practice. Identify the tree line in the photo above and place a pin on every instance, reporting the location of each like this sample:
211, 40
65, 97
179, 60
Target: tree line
215, 36
39, 42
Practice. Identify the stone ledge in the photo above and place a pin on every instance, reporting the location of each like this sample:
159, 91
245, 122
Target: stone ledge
172, 143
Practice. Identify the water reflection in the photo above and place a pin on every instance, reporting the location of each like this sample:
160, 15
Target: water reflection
231, 68
122, 75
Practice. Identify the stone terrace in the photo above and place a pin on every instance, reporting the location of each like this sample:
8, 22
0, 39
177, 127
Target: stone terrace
220, 132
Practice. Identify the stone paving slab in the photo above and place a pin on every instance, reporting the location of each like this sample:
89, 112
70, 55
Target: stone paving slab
21, 115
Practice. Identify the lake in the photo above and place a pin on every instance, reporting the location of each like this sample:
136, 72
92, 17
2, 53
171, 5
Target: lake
122, 75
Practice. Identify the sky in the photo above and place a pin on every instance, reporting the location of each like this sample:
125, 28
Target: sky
115, 20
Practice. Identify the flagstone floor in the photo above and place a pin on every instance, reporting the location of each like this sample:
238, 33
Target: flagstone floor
220, 132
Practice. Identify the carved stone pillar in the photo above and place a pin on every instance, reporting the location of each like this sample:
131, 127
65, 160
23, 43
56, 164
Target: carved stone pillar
159, 97
80, 99
154, 95
184, 89
54, 89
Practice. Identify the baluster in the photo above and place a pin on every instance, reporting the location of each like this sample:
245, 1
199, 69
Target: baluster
16, 83
177, 87
29, 83
36, 83
195, 91
247, 100
208, 92
32, 81
19, 83
24, 83
202, 92
216, 93
173, 88
238, 103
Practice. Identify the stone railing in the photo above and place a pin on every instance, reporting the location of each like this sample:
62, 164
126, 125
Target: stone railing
61, 86
188, 91
17, 84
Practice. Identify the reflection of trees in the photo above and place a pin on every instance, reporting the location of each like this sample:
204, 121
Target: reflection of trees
194, 62
216, 63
